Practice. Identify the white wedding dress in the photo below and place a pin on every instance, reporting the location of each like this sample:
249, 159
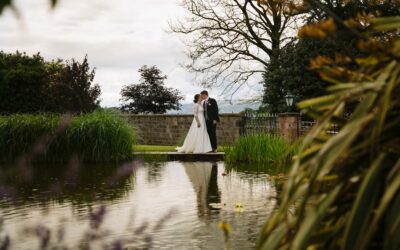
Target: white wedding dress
197, 140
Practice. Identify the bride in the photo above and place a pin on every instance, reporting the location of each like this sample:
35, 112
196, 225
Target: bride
197, 140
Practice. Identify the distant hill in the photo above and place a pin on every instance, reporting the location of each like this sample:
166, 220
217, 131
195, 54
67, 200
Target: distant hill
224, 107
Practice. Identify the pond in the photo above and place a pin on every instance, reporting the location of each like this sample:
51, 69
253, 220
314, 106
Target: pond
173, 205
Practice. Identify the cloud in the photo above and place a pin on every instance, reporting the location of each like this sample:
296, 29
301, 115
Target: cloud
118, 36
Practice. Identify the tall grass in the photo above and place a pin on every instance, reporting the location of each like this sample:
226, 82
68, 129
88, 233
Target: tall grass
259, 149
97, 137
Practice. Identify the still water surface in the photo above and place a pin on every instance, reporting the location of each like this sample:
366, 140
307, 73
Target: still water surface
174, 205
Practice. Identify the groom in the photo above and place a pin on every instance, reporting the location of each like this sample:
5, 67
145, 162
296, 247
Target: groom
212, 118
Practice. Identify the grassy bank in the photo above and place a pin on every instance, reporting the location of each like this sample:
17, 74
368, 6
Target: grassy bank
96, 137
261, 150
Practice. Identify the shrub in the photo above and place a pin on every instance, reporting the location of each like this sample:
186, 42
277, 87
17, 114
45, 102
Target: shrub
29, 84
261, 148
98, 137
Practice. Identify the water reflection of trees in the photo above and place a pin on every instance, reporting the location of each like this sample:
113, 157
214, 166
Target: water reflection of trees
154, 172
79, 184
203, 176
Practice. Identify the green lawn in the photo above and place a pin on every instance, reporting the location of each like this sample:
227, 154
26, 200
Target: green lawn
157, 148
154, 148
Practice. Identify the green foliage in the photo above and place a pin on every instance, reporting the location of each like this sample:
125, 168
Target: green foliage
72, 87
344, 189
291, 71
150, 95
23, 83
261, 148
98, 137
29, 84
350, 9
9, 3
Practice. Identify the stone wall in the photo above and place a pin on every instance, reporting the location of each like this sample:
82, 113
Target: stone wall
172, 129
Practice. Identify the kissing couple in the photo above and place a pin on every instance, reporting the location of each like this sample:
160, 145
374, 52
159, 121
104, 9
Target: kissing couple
202, 137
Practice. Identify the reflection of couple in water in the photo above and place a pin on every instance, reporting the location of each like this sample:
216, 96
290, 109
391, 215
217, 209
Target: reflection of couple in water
203, 176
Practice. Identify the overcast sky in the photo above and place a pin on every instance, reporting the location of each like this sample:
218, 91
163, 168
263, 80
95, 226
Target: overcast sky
119, 36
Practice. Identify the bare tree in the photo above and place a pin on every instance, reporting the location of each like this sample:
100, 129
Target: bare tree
229, 41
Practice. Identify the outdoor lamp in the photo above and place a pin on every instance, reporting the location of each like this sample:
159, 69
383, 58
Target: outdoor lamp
289, 99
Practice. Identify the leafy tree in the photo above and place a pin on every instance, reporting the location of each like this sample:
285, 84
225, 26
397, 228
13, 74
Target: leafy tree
73, 87
29, 84
318, 10
23, 83
291, 71
150, 95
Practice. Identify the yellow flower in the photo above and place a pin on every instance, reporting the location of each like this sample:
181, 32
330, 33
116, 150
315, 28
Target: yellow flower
239, 207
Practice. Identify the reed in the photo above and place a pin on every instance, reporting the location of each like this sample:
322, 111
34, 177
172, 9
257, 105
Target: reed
259, 149
97, 137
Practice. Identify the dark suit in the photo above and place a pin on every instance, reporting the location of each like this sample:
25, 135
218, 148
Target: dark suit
211, 113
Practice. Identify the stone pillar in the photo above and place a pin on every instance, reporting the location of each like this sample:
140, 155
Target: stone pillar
289, 126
